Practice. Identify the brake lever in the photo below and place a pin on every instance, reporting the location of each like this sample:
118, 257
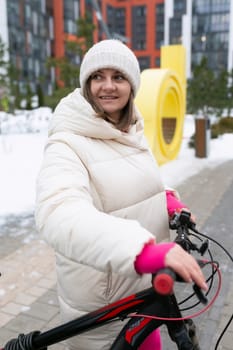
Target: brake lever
203, 299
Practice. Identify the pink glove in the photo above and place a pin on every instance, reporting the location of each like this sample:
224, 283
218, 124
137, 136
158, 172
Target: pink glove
152, 257
173, 204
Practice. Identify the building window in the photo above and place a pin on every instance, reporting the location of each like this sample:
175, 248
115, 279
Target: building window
157, 62
159, 27
116, 21
35, 22
219, 22
176, 22
144, 62
201, 6
210, 32
70, 16
179, 7
139, 27
51, 26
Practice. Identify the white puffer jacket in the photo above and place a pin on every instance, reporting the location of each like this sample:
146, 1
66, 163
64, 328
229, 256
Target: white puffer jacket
99, 200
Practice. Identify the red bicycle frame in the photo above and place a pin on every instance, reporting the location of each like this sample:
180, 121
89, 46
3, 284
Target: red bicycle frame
133, 333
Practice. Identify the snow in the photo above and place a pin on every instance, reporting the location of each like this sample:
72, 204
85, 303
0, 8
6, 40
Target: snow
21, 151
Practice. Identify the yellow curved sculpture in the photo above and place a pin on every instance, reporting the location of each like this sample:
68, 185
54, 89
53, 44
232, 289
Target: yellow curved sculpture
161, 100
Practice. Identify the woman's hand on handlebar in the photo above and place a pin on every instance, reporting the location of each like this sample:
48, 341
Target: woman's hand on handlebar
154, 257
185, 266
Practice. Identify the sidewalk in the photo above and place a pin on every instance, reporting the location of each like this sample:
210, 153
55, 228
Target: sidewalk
210, 196
28, 298
28, 283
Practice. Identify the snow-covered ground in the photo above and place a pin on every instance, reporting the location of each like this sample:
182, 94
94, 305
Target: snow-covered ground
21, 150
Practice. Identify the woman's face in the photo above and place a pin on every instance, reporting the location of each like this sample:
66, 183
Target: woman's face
111, 91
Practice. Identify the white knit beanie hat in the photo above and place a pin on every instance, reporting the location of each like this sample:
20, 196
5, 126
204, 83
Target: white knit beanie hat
111, 53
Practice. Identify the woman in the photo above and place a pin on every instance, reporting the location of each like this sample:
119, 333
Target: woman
100, 201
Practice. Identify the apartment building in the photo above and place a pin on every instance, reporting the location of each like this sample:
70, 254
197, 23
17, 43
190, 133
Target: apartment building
34, 30
37, 29
212, 33
140, 23
204, 27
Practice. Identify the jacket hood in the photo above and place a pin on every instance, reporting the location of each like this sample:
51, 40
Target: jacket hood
75, 115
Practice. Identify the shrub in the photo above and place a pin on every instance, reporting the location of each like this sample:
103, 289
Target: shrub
222, 126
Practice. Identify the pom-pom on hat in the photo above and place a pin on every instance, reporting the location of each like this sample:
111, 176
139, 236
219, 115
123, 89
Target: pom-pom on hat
111, 53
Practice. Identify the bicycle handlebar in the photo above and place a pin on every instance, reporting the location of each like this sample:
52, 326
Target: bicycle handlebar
163, 283
163, 280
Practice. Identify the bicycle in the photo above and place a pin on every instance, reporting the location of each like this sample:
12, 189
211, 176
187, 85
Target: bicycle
146, 310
